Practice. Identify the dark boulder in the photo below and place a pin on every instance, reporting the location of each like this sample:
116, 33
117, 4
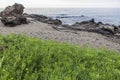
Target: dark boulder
92, 20
13, 15
54, 21
99, 23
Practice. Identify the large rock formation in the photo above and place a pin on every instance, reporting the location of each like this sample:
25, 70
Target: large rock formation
13, 15
99, 27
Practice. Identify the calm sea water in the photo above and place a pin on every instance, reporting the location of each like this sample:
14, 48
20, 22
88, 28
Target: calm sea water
72, 15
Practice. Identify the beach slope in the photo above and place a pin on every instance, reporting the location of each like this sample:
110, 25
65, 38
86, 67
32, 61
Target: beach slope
46, 31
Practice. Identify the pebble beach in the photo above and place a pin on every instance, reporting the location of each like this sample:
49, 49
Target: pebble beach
45, 31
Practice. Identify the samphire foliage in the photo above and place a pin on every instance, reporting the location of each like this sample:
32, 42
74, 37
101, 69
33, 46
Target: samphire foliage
26, 58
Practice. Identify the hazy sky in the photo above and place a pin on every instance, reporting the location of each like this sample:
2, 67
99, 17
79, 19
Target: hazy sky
64, 3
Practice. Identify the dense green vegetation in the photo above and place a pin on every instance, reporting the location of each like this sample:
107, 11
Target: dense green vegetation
24, 58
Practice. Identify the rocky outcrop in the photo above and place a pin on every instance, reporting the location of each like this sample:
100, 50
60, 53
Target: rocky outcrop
13, 15
108, 28
92, 26
44, 19
99, 27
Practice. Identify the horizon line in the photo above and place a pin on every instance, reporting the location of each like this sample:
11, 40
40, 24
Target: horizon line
66, 7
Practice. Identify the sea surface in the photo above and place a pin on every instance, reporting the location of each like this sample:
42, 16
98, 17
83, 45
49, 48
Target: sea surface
72, 15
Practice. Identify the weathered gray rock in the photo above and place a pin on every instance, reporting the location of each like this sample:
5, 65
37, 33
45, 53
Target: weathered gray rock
109, 28
13, 15
92, 26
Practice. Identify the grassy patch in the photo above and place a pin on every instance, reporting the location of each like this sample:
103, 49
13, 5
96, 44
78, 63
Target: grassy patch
24, 58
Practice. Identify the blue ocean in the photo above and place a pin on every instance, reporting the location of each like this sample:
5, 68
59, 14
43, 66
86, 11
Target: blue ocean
72, 15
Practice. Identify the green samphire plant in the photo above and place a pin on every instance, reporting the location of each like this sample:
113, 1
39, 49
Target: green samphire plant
26, 58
